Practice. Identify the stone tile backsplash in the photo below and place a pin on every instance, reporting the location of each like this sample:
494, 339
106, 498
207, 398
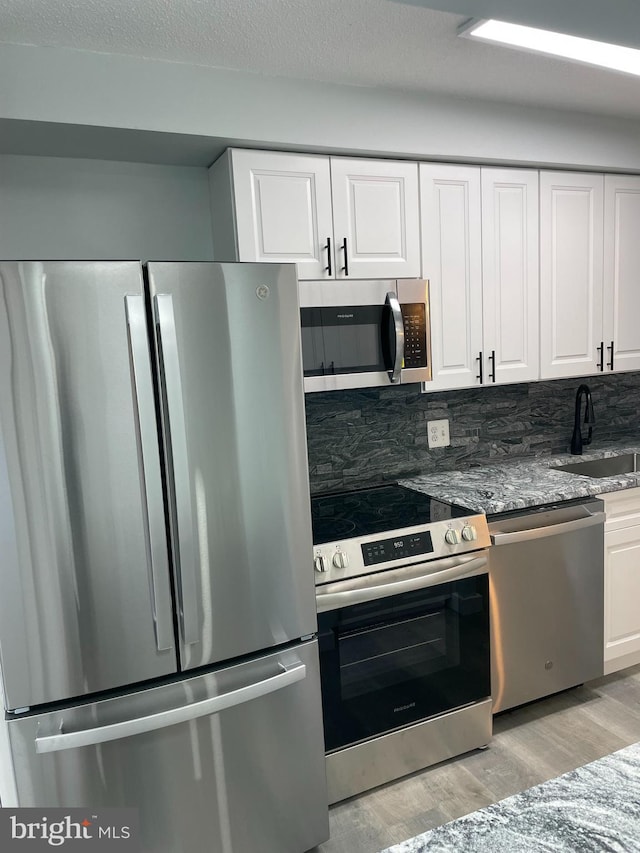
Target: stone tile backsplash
368, 436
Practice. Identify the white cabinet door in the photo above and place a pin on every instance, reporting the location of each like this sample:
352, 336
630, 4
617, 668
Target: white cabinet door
283, 210
571, 257
622, 272
452, 261
621, 596
375, 218
510, 280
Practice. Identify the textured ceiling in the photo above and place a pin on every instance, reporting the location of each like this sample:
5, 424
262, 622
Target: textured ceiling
358, 42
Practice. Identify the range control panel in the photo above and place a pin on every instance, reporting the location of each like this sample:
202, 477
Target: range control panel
383, 550
360, 555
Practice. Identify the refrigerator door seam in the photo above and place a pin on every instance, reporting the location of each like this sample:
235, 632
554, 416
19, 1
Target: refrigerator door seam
185, 550
147, 441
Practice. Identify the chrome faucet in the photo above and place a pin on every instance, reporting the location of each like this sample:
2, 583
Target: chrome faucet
577, 439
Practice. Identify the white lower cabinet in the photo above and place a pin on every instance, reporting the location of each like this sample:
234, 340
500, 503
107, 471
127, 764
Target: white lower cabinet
621, 580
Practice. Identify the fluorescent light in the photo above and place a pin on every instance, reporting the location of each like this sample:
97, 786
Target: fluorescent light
616, 57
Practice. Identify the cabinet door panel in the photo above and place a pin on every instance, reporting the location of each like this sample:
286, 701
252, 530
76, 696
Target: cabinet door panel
571, 256
622, 271
451, 260
510, 281
621, 594
375, 207
283, 209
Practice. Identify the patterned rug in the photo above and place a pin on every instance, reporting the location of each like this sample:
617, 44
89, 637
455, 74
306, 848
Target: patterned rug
594, 809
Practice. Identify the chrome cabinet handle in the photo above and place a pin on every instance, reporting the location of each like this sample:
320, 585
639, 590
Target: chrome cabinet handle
360, 592
185, 713
184, 534
149, 468
480, 375
398, 327
492, 359
550, 530
610, 363
601, 356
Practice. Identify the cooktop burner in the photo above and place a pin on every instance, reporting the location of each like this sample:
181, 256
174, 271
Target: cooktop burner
376, 510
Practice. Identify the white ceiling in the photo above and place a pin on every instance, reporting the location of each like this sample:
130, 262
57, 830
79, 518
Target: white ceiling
377, 43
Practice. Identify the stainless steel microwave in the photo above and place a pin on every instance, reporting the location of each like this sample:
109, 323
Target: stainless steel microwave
359, 334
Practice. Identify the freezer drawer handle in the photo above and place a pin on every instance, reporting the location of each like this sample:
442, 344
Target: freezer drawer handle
550, 530
184, 533
346, 597
149, 466
288, 675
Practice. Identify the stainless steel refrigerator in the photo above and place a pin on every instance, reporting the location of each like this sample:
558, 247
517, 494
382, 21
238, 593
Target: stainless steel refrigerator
157, 607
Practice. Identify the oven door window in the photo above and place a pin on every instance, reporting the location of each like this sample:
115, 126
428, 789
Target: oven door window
391, 662
345, 339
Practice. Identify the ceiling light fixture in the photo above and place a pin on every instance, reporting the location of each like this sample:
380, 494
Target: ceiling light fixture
599, 53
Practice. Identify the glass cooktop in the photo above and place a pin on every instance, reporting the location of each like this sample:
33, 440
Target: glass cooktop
369, 511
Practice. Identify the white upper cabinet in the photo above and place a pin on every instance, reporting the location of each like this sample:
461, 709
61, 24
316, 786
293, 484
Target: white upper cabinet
480, 253
452, 261
280, 207
375, 218
590, 279
510, 277
621, 329
571, 265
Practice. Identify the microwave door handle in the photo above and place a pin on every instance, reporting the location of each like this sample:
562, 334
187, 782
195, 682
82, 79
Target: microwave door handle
398, 327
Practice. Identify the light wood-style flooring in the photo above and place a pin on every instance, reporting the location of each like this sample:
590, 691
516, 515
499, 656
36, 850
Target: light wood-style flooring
530, 745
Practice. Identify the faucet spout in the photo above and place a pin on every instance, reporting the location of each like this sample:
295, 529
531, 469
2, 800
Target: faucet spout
577, 439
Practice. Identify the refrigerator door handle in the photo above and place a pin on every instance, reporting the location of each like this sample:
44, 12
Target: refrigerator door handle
185, 547
286, 676
149, 467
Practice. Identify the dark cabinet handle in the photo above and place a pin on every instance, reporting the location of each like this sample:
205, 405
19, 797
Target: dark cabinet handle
610, 363
492, 359
328, 248
479, 375
346, 260
601, 356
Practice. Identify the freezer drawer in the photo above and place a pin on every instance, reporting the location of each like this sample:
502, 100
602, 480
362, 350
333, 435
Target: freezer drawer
247, 777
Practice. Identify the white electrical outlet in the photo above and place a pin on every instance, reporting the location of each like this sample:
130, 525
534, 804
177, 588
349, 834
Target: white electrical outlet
438, 433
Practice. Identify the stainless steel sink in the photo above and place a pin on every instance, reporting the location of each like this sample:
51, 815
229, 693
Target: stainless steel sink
626, 463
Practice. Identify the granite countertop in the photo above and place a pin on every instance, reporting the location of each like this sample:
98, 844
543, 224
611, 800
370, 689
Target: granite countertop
521, 483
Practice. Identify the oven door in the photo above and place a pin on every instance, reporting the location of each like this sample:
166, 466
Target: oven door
401, 646
364, 334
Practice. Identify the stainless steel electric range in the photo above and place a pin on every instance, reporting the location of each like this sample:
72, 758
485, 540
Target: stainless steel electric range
403, 616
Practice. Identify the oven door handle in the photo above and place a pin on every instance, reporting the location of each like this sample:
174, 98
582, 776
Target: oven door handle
344, 597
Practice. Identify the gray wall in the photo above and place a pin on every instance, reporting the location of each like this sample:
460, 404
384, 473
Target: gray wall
81, 88
375, 435
57, 208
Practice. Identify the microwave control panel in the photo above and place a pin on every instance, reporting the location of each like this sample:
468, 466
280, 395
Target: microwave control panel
414, 318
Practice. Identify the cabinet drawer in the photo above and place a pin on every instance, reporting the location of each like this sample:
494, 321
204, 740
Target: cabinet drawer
622, 508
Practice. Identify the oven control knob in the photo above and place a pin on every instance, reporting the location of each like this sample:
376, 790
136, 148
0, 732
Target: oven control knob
469, 533
452, 536
320, 563
340, 560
